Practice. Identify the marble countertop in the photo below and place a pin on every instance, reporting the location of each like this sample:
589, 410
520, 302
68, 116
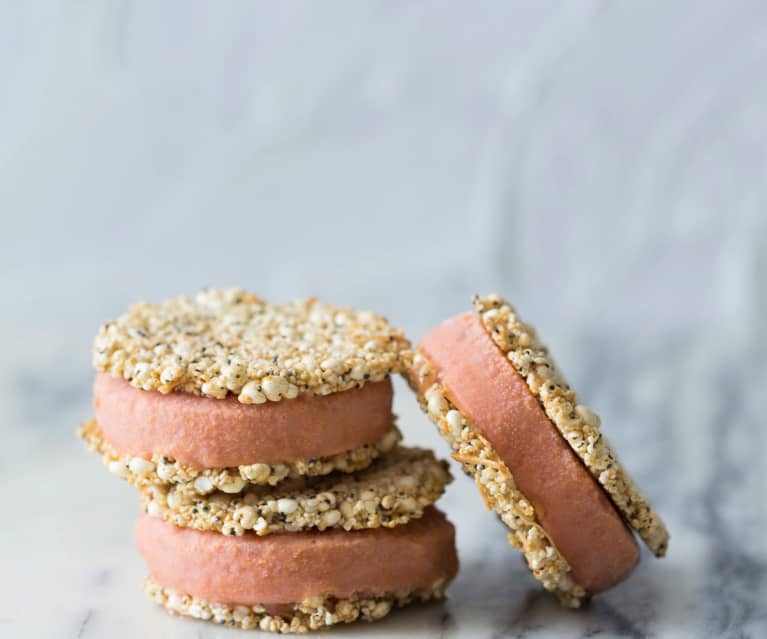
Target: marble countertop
70, 569
601, 164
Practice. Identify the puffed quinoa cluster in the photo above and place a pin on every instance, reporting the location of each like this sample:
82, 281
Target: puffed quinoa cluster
232, 342
578, 424
496, 485
391, 492
163, 470
311, 614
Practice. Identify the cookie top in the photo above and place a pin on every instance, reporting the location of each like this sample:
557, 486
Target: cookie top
393, 490
233, 342
577, 424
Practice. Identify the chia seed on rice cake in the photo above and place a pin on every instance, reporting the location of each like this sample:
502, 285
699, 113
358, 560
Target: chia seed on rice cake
394, 490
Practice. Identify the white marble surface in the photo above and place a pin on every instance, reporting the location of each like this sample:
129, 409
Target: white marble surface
602, 164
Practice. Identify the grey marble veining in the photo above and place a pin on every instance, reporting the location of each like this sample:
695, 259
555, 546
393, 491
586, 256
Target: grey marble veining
601, 164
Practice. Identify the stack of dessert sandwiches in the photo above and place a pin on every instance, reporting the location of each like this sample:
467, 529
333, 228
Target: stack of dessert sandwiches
275, 492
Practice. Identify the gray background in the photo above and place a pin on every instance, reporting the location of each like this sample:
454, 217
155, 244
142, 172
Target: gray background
601, 164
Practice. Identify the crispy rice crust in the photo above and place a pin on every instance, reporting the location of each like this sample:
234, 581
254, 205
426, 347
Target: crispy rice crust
392, 491
194, 481
311, 614
578, 424
496, 485
230, 341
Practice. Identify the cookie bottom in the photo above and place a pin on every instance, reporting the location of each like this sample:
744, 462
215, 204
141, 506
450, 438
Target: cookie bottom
162, 470
311, 614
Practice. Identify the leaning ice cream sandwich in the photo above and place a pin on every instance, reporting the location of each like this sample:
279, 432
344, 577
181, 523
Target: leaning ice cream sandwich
226, 390
300, 581
536, 454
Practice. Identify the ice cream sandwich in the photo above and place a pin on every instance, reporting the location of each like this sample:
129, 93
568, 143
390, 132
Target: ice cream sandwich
226, 390
537, 455
291, 559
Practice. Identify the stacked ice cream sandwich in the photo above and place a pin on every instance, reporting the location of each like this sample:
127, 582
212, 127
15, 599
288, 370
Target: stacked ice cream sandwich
275, 492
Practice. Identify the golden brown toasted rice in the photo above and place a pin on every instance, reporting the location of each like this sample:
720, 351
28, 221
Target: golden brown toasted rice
497, 487
232, 342
160, 469
578, 424
311, 614
390, 492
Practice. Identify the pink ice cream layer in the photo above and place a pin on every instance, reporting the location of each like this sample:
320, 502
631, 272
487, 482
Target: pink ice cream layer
287, 568
203, 432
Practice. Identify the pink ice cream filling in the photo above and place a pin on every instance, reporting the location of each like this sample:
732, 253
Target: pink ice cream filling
203, 432
288, 568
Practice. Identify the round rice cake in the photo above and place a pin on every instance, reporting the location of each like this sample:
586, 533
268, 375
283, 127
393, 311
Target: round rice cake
161, 469
395, 489
231, 342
